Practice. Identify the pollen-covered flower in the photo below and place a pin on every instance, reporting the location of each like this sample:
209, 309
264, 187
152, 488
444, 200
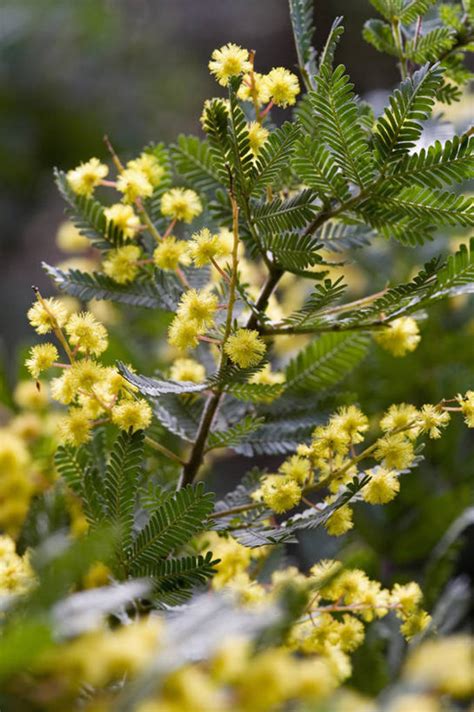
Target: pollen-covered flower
340, 521
183, 333
282, 86
415, 624
298, 468
255, 90
187, 369
75, 427
169, 253
258, 134
134, 184
467, 407
150, 166
268, 377
69, 239
85, 374
47, 314
229, 61
205, 247
121, 264
124, 218
281, 493
382, 487
432, 419
41, 358
86, 333
181, 204
352, 421
87, 176
395, 451
245, 348
329, 440
402, 416
198, 306
407, 596
30, 395
400, 337
63, 388
132, 415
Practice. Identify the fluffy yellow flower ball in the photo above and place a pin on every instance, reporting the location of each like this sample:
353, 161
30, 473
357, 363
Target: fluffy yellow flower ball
87, 334
183, 333
121, 264
69, 239
229, 61
134, 184
340, 521
400, 337
382, 487
187, 369
169, 253
87, 176
198, 306
281, 493
132, 415
150, 166
123, 216
258, 135
245, 348
181, 204
75, 428
205, 247
41, 358
47, 315
282, 86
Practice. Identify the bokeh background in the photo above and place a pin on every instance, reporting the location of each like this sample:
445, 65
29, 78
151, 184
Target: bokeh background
72, 70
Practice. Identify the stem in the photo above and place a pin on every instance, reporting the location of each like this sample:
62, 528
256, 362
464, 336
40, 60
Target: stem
220, 270
398, 39
57, 331
164, 450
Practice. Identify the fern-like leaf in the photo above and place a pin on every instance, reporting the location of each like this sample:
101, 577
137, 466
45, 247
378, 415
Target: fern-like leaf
235, 434
157, 387
301, 16
293, 252
315, 165
326, 361
422, 204
175, 579
285, 214
273, 157
193, 161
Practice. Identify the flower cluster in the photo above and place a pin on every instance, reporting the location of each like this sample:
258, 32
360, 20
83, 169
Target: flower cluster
16, 575
94, 393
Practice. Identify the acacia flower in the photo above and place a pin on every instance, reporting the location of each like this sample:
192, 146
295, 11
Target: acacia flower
47, 314
198, 306
258, 135
124, 218
88, 334
205, 247
229, 61
282, 86
467, 407
134, 184
432, 419
281, 493
132, 415
298, 468
187, 369
395, 451
75, 428
150, 166
69, 239
400, 337
121, 264
245, 348
340, 521
87, 176
169, 253
382, 487
258, 92
41, 358
183, 333
181, 204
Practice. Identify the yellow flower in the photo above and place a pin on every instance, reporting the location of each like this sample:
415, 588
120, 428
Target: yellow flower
382, 487
400, 337
340, 521
63, 388
259, 90
121, 264
169, 253
443, 664
245, 348
198, 306
329, 440
87, 176
352, 421
351, 633
395, 451
47, 315
87, 334
29, 395
16, 575
124, 218
41, 358
85, 374
400, 417
432, 419
132, 414
187, 369
282, 86
298, 468
69, 239
229, 61
268, 377
205, 247
134, 184
467, 407
415, 624
258, 134
150, 166
181, 204
183, 333
233, 557
408, 596
75, 428
281, 493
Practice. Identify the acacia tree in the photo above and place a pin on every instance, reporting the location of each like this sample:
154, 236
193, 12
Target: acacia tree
208, 231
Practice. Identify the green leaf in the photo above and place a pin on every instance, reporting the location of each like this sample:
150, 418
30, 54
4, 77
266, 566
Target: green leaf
80, 474
256, 392
323, 296
292, 251
175, 579
301, 16
179, 415
121, 481
423, 204
379, 35
335, 33
156, 387
338, 236
240, 152
88, 216
326, 361
273, 157
398, 129
170, 526
316, 167
235, 434
161, 293
338, 125
412, 9
440, 164
431, 45
285, 214
193, 161
215, 125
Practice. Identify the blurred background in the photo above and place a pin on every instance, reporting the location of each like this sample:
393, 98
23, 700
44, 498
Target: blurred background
71, 71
